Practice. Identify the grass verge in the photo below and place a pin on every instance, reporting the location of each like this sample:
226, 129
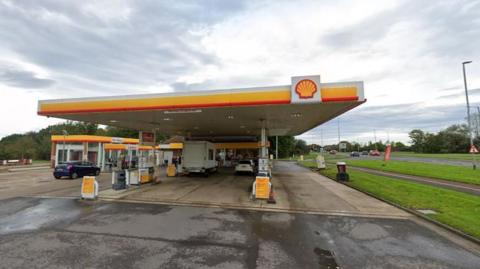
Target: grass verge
40, 161
448, 156
440, 171
455, 209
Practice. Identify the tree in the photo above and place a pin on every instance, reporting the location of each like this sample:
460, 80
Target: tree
432, 143
121, 132
354, 146
286, 145
455, 138
301, 147
399, 146
417, 139
23, 147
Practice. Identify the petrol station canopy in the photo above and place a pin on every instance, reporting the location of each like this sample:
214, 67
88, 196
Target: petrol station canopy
282, 110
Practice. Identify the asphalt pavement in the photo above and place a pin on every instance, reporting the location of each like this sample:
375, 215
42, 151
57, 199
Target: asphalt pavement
43, 224
42, 183
71, 233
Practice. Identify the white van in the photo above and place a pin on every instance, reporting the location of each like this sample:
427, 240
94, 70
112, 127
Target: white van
198, 157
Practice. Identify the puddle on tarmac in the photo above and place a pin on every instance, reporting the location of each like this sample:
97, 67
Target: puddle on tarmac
44, 213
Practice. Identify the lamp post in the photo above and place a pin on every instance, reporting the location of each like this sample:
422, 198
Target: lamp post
338, 130
474, 162
476, 120
276, 147
65, 133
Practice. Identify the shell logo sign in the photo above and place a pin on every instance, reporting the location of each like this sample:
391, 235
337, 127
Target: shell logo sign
305, 89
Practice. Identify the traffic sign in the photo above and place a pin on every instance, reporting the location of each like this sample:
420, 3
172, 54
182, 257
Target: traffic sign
473, 149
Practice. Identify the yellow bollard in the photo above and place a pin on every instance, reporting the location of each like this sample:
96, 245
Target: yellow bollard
171, 170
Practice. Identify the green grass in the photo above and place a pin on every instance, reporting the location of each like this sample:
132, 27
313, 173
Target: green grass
448, 156
440, 171
309, 164
455, 209
40, 161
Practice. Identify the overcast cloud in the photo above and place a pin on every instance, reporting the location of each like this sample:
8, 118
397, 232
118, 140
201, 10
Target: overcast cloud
409, 54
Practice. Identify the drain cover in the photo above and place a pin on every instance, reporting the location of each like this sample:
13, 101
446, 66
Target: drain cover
326, 259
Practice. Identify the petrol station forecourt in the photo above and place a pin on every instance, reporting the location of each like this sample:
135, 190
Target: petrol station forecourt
238, 115
250, 115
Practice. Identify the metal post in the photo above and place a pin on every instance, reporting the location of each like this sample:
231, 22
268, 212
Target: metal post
478, 120
65, 133
276, 147
264, 141
338, 130
474, 162
321, 138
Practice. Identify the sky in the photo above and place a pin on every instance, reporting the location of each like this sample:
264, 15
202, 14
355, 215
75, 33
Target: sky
408, 53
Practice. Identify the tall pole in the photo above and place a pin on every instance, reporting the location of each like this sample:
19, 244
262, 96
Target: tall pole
321, 138
264, 140
338, 130
375, 137
65, 133
474, 164
276, 147
478, 120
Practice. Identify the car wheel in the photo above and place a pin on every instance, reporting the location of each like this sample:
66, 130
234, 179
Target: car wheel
57, 177
74, 176
97, 172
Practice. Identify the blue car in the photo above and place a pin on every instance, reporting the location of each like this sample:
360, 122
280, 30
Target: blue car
75, 169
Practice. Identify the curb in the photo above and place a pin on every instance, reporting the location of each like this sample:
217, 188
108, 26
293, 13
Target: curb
266, 209
413, 212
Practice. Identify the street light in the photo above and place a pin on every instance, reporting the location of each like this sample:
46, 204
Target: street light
65, 133
476, 120
474, 162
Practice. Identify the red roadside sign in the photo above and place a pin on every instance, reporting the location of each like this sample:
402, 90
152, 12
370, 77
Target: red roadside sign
388, 152
473, 149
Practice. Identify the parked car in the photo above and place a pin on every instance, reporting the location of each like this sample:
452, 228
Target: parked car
355, 154
75, 169
374, 152
365, 153
244, 166
332, 152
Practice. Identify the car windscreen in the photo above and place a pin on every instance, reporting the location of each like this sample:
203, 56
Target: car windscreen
245, 162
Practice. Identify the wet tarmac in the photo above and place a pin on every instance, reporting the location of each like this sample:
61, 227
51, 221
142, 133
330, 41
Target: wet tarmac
70, 233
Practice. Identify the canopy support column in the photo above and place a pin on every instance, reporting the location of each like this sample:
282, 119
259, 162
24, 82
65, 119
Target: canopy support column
264, 140
85, 152
276, 147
